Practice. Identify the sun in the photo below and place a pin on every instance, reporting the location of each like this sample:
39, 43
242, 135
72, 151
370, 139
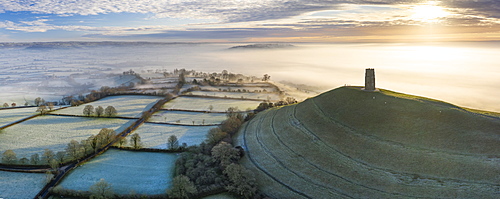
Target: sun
429, 12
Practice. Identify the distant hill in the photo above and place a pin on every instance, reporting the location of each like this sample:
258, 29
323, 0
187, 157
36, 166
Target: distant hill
348, 143
263, 46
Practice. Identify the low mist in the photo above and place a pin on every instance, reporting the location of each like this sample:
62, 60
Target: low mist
465, 74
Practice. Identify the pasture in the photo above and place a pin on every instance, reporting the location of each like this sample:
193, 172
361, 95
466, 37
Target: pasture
53, 132
260, 96
253, 89
180, 117
141, 172
8, 116
312, 150
126, 105
20, 185
202, 104
156, 135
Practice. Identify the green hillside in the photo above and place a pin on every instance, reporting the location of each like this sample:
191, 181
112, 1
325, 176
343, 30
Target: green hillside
347, 143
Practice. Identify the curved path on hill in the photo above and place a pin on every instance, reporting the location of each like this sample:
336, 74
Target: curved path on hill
295, 159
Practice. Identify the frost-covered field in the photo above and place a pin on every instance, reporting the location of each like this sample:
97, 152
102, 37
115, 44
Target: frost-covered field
126, 105
232, 88
156, 86
142, 172
15, 185
156, 135
262, 96
8, 116
202, 104
188, 117
53, 132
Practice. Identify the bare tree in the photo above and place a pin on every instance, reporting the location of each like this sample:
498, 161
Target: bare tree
99, 111
102, 189
48, 155
9, 157
88, 110
39, 101
50, 105
135, 141
173, 142
74, 150
35, 159
110, 111
42, 109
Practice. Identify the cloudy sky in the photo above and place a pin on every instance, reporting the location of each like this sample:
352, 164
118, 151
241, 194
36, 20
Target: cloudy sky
249, 20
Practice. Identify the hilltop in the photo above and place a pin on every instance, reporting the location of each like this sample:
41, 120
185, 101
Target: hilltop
348, 143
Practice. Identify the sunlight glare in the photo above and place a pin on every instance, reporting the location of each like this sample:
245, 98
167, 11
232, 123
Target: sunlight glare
428, 12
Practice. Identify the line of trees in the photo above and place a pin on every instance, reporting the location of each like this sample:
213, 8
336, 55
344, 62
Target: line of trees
74, 150
109, 111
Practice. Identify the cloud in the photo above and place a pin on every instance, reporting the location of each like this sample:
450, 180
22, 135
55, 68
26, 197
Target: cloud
223, 10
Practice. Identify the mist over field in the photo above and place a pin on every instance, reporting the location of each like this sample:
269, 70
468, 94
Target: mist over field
465, 74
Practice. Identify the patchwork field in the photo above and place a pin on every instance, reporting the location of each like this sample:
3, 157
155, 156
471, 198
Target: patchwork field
233, 89
313, 149
181, 117
125, 105
126, 171
20, 185
8, 116
261, 96
156, 135
53, 132
202, 104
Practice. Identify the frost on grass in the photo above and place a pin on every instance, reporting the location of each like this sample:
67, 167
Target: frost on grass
202, 104
53, 132
126, 105
188, 117
142, 172
9, 116
156, 135
261, 96
20, 185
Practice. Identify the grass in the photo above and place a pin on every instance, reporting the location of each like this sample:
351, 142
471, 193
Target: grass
156, 135
53, 132
317, 149
126, 105
418, 122
262, 96
221, 196
188, 117
8, 116
202, 104
251, 89
143, 172
20, 185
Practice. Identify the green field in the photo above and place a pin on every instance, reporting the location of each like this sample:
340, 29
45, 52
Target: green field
53, 132
180, 117
20, 185
202, 104
156, 135
8, 116
125, 105
348, 143
143, 172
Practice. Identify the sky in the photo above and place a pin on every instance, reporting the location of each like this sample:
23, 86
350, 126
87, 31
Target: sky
249, 20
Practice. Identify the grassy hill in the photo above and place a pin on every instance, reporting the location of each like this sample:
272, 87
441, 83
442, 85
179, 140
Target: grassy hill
347, 143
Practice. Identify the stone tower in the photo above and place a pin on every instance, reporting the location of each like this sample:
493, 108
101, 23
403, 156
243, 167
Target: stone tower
370, 79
